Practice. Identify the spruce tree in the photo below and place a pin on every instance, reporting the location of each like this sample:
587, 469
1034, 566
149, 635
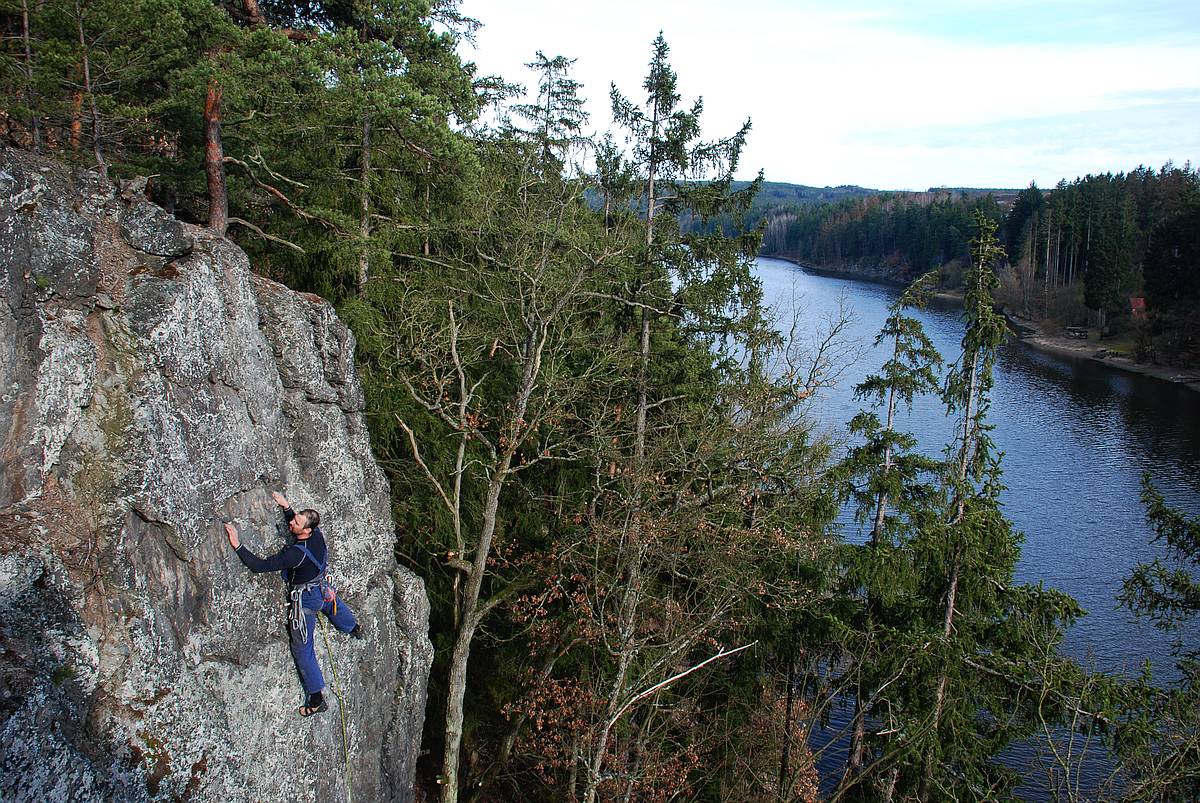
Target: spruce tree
993, 642
557, 116
1159, 740
684, 290
891, 487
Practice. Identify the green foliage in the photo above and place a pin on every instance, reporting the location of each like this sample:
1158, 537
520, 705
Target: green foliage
1172, 279
949, 661
1109, 232
131, 75
1159, 734
62, 674
295, 102
905, 233
894, 488
558, 116
1105, 233
1167, 593
663, 498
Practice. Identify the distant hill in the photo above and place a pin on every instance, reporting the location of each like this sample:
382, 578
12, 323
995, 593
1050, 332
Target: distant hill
975, 190
781, 200
1003, 196
777, 194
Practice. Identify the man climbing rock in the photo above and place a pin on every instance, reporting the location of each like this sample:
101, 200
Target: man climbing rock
302, 565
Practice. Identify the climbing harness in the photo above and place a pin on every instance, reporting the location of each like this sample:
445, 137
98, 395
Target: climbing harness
324, 581
337, 692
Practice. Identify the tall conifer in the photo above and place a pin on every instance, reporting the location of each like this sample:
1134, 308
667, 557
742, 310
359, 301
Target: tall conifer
890, 484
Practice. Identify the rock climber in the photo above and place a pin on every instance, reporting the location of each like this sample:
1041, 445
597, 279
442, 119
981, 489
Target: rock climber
302, 565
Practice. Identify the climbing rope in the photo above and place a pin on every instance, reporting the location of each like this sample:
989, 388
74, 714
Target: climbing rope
337, 691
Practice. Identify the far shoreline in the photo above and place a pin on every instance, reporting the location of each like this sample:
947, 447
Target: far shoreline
1029, 334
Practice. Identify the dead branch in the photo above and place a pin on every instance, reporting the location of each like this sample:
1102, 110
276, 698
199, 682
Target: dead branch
664, 683
278, 194
258, 159
260, 233
412, 440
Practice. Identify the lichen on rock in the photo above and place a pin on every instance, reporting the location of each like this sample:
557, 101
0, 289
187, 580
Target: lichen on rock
151, 386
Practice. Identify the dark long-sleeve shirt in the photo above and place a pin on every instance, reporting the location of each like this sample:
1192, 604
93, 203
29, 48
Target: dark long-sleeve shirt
299, 569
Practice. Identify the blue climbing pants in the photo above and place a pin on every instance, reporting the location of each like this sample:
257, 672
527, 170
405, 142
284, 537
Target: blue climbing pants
303, 649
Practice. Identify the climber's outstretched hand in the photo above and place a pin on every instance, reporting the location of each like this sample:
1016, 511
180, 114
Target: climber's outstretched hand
232, 532
279, 498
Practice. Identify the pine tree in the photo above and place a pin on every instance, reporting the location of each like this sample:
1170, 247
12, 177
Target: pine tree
1109, 258
890, 485
1160, 738
558, 115
715, 295
993, 642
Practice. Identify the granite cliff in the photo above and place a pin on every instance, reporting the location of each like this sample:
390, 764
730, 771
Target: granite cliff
152, 385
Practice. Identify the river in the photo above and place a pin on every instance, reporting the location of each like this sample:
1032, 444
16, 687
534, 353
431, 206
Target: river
1076, 437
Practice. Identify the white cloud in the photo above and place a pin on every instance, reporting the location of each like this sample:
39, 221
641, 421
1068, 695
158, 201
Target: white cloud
829, 90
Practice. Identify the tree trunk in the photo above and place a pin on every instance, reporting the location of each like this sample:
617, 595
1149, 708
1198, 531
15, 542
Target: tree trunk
76, 135
881, 506
889, 791
1057, 257
214, 160
639, 753
1087, 248
364, 221
254, 14
1071, 265
939, 699
35, 123
457, 681
428, 222
855, 756
631, 598
624, 659
633, 582
510, 738
573, 778
785, 754
87, 88
1026, 286
1046, 267
955, 563
472, 613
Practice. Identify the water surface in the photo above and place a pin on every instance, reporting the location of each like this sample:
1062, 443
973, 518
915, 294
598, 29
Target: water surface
1076, 437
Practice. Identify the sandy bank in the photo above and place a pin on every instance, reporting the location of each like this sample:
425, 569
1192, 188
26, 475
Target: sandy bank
1030, 334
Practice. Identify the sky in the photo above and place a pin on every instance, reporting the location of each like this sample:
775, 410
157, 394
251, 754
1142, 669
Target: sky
908, 94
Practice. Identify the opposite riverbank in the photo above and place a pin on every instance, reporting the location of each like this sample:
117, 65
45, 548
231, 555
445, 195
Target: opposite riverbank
1033, 334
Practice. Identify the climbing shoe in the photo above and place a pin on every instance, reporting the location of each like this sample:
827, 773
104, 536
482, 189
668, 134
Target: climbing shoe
315, 704
358, 633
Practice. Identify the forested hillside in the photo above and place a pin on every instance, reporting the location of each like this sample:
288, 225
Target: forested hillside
596, 437
1076, 254
899, 235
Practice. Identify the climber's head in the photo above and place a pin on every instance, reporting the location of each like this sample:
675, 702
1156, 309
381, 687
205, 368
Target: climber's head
303, 523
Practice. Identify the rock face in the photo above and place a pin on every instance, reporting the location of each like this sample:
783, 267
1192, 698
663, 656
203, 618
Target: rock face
150, 386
